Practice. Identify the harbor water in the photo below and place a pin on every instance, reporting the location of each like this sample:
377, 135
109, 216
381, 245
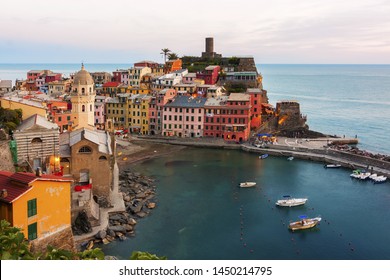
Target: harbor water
202, 213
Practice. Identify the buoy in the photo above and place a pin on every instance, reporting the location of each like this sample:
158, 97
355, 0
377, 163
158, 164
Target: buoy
244, 244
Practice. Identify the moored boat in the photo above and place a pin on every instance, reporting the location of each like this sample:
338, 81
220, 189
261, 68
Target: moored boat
247, 184
288, 201
290, 158
332, 165
304, 223
263, 156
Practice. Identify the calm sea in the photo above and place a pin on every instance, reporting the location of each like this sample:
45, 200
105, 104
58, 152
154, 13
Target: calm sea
202, 214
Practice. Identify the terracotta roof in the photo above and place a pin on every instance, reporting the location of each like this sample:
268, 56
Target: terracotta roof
111, 84
13, 192
7, 180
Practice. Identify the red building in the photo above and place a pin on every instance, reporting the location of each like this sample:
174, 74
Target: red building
228, 117
209, 75
53, 77
258, 97
60, 113
110, 89
145, 63
118, 74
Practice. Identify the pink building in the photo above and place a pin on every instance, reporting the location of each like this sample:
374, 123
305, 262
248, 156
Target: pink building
99, 112
156, 107
258, 97
183, 117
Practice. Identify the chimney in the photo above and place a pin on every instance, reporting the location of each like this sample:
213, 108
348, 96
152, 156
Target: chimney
4, 193
38, 172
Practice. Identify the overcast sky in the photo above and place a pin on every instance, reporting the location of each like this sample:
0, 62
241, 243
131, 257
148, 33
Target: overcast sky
126, 31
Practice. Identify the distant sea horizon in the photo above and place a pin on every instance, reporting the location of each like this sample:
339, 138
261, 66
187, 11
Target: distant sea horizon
343, 99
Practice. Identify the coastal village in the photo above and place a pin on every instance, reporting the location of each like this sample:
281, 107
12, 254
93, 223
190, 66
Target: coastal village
60, 180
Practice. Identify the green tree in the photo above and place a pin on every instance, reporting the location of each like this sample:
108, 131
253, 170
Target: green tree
10, 119
13, 246
172, 56
138, 255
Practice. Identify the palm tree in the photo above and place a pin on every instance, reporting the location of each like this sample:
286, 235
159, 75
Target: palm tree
165, 52
172, 56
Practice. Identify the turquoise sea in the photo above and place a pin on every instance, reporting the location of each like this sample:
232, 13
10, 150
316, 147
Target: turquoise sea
202, 214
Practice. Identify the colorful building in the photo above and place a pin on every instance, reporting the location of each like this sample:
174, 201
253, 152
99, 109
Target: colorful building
156, 107
40, 206
213, 125
209, 75
258, 98
172, 65
183, 117
28, 107
236, 118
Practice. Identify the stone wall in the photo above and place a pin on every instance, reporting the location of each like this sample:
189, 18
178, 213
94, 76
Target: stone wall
6, 162
60, 240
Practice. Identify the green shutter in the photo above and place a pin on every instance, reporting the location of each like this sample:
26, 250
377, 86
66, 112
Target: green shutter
32, 207
32, 231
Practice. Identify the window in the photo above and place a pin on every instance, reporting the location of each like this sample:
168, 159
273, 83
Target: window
68, 118
59, 119
83, 108
102, 158
36, 140
32, 207
32, 231
85, 150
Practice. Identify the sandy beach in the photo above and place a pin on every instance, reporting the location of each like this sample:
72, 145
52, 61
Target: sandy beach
132, 150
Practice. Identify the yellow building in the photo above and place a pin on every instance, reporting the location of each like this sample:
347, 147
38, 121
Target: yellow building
117, 111
39, 205
27, 106
145, 101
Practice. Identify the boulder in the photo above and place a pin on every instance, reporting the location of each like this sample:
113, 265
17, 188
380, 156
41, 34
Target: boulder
101, 234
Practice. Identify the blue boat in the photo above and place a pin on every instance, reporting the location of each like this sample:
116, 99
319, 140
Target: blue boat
263, 156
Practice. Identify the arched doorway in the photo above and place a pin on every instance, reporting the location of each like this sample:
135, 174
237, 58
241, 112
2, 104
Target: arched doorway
65, 166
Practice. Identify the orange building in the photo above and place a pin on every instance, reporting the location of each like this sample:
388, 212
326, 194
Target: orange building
39, 205
172, 65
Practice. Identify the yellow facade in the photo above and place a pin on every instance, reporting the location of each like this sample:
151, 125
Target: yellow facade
53, 208
145, 101
28, 108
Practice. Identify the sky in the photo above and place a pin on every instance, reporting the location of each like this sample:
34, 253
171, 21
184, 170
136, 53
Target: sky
126, 31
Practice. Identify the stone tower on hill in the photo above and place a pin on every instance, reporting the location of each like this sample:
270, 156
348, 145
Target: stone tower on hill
209, 53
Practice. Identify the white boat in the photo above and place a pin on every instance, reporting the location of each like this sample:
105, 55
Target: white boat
332, 165
263, 156
379, 179
288, 201
304, 223
247, 184
364, 175
290, 158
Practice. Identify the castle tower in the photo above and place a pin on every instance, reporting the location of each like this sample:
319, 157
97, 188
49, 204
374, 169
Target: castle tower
83, 100
209, 51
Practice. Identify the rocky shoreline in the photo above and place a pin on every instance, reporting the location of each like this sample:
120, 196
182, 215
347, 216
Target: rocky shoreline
139, 195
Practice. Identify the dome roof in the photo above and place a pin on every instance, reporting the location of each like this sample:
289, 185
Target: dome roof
83, 77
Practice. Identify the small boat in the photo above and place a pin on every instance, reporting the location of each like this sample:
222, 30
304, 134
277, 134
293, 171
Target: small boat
263, 156
290, 158
304, 223
288, 201
379, 179
332, 165
247, 184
